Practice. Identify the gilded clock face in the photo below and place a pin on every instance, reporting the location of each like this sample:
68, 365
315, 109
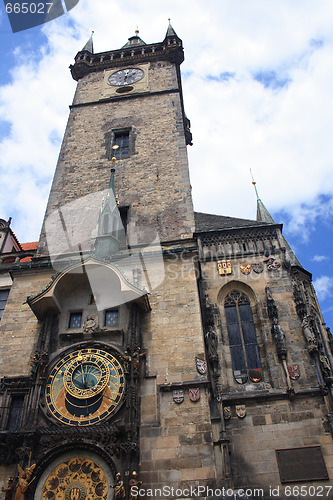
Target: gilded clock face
126, 76
85, 387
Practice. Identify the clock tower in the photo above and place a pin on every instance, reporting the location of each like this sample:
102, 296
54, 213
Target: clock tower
145, 344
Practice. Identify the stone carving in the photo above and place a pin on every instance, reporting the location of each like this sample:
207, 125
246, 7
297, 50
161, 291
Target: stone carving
325, 366
309, 335
280, 339
90, 324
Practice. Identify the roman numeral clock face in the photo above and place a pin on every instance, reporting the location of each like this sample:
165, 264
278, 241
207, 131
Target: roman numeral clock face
126, 76
85, 387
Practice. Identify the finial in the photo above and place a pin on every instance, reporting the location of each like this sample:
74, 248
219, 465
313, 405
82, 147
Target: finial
137, 31
114, 147
255, 185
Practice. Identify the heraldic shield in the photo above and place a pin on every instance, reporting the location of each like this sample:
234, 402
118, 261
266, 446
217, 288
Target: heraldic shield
178, 395
294, 372
194, 394
255, 374
240, 376
201, 365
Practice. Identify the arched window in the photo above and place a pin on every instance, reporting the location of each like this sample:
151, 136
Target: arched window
242, 337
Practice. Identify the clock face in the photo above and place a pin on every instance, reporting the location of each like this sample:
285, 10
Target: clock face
126, 76
85, 387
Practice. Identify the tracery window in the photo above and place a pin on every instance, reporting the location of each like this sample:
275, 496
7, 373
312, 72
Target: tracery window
242, 335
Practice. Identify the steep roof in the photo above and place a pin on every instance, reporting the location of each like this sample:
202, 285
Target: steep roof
211, 222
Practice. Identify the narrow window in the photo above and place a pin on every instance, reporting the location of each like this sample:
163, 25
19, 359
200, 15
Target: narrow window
111, 317
3, 299
242, 335
15, 412
75, 320
122, 140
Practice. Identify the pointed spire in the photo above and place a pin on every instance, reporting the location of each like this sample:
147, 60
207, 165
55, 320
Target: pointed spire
263, 214
170, 30
89, 46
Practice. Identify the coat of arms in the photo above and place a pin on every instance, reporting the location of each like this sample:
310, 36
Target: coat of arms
194, 394
241, 411
272, 264
255, 374
178, 395
245, 269
201, 366
294, 372
258, 268
227, 412
224, 267
240, 376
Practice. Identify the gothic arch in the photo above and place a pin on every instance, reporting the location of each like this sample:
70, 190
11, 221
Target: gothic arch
236, 285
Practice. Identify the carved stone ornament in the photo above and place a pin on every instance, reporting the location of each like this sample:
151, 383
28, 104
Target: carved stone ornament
90, 325
294, 372
272, 264
201, 365
178, 395
279, 339
194, 394
227, 412
245, 269
241, 411
309, 335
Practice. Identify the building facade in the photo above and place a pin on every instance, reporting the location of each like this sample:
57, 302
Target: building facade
143, 337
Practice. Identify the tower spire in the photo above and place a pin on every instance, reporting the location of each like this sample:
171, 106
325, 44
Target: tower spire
89, 46
263, 214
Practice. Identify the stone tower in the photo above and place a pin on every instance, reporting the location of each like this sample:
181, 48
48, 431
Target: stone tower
144, 337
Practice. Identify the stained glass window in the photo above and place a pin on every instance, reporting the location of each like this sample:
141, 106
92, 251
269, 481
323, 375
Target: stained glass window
242, 335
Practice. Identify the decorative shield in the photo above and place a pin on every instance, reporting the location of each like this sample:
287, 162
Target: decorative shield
201, 366
294, 372
258, 268
194, 394
245, 269
224, 267
255, 374
241, 411
272, 264
240, 376
227, 412
178, 395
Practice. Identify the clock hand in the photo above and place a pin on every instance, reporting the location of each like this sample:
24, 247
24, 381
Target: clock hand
84, 384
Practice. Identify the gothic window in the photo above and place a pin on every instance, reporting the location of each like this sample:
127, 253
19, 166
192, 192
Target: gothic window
3, 299
15, 412
75, 320
241, 331
111, 317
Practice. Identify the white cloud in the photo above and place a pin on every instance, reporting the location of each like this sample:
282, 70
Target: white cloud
323, 287
320, 258
283, 134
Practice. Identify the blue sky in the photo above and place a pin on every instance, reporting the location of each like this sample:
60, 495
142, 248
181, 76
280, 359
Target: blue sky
258, 89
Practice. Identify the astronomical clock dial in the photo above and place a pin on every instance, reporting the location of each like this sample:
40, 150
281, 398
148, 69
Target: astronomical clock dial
126, 76
85, 387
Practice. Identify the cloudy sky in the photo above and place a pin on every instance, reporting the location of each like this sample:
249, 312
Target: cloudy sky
258, 89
